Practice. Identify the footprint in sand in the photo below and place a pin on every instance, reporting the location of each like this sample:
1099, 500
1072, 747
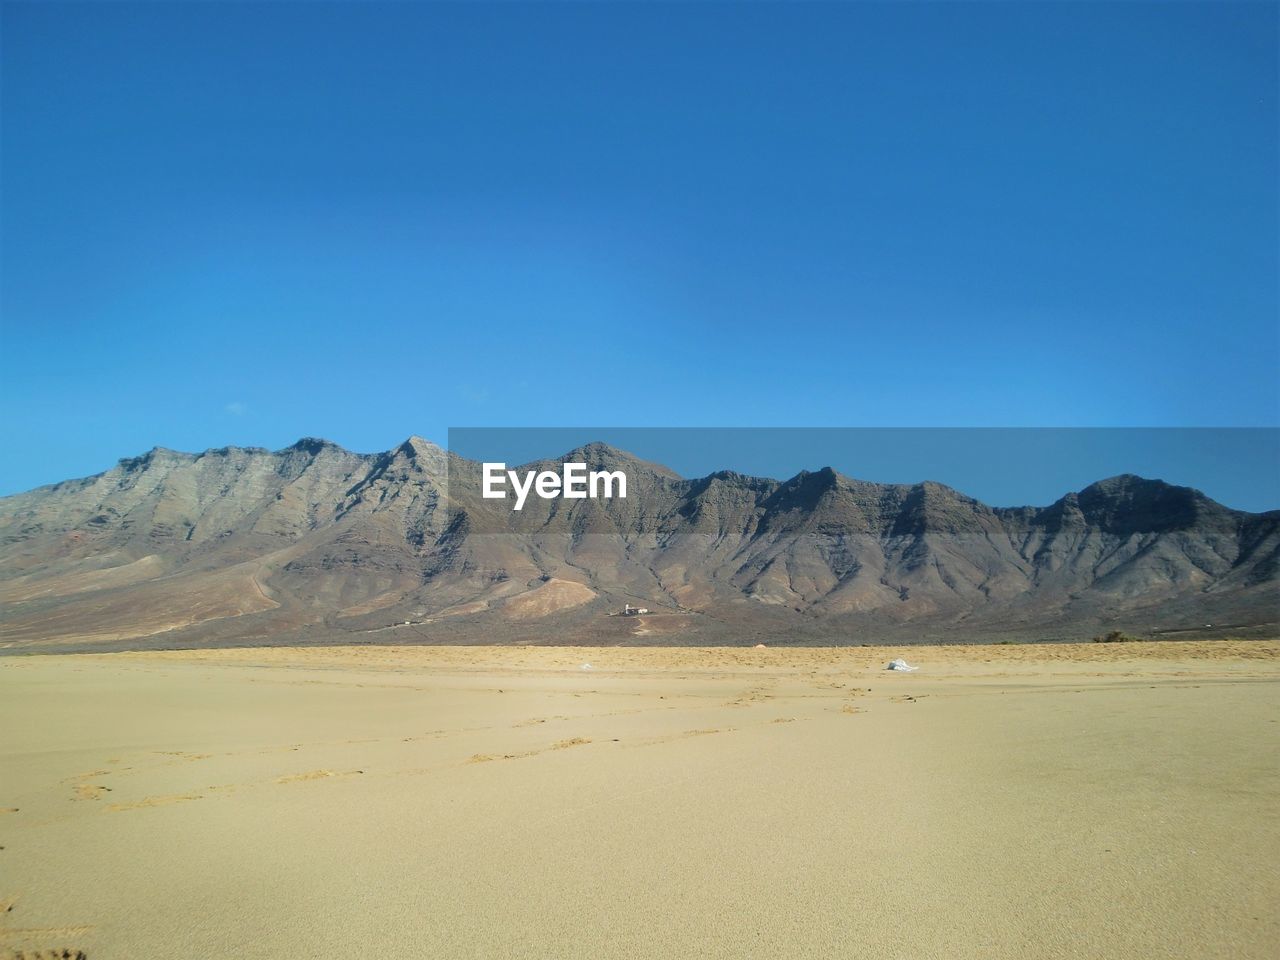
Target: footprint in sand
56, 953
153, 802
756, 695
37, 934
316, 775
534, 721
558, 745
84, 790
686, 735
487, 757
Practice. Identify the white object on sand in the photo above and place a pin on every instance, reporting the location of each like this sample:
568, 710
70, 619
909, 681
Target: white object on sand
900, 664
586, 666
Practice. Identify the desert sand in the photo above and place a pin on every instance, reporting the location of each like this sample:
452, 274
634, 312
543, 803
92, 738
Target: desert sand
1074, 801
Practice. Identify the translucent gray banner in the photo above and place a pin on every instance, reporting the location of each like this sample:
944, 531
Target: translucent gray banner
661, 480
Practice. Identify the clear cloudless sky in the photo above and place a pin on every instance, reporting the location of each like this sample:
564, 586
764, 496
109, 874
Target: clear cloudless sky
239, 223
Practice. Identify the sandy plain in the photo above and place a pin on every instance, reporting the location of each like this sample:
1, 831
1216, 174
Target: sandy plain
1108, 801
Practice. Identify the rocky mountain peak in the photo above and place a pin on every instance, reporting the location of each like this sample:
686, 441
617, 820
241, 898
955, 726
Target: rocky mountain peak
603, 456
313, 446
1128, 503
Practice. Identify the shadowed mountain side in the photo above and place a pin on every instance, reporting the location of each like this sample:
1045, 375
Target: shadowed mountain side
314, 543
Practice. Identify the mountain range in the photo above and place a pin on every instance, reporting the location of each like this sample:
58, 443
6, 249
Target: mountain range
316, 544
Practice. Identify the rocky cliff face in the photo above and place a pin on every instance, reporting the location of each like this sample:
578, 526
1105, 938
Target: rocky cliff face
317, 544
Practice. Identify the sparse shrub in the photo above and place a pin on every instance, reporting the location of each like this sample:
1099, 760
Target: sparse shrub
1115, 636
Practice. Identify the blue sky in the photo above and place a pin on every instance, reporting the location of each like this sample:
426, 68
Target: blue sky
242, 224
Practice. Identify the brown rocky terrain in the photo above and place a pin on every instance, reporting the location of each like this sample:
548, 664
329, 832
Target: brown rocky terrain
314, 543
